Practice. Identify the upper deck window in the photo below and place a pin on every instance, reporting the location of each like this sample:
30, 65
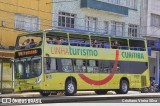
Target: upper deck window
79, 40
29, 41
117, 43
57, 38
137, 45
100, 42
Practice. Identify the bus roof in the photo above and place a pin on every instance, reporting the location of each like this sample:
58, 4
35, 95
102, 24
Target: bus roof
81, 32
84, 32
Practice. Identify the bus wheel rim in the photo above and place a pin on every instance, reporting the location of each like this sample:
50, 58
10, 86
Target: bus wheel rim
70, 88
124, 87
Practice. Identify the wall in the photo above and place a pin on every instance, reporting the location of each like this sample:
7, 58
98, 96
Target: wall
8, 8
153, 8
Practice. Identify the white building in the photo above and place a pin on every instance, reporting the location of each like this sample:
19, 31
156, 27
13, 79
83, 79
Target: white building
150, 18
110, 17
150, 28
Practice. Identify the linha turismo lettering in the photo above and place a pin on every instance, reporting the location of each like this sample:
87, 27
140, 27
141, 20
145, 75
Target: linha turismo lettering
74, 51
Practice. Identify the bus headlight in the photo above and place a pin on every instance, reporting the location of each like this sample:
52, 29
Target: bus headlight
38, 80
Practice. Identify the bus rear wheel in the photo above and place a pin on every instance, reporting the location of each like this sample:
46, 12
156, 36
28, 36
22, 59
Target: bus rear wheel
44, 94
70, 88
101, 92
124, 86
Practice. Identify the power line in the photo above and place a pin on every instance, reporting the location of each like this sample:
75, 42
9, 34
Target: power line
62, 1
55, 22
25, 7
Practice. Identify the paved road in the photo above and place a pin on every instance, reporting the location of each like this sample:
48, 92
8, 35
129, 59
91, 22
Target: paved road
131, 97
99, 104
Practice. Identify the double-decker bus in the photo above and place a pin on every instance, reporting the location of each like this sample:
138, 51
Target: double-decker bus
52, 60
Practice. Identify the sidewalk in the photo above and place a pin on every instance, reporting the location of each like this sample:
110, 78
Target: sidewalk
28, 94
37, 94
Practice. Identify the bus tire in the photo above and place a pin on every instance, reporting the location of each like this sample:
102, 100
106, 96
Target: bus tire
101, 92
44, 94
70, 88
124, 86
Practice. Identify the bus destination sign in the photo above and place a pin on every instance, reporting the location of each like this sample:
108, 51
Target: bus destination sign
26, 53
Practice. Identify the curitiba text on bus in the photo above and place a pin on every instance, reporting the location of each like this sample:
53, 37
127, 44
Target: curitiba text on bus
74, 51
135, 55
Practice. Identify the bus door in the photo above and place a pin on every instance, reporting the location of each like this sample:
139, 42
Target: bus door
56, 71
49, 73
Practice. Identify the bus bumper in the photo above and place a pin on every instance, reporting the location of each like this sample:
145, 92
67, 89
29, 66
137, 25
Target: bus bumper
26, 88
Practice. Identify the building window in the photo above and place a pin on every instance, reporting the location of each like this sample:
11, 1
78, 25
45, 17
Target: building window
155, 20
91, 24
133, 30
106, 27
117, 28
26, 22
66, 20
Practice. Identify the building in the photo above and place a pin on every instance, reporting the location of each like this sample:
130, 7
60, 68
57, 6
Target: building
150, 28
19, 16
150, 18
108, 17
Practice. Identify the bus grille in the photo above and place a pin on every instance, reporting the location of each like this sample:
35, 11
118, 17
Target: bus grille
143, 81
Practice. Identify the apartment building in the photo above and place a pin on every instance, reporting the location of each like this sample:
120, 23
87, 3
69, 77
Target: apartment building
150, 29
107, 17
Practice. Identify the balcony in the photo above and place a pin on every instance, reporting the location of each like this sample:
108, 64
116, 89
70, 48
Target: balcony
103, 6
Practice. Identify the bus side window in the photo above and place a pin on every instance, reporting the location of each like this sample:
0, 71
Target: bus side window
100, 65
49, 65
79, 40
84, 69
78, 64
119, 43
107, 66
100, 42
92, 68
57, 38
67, 65
138, 45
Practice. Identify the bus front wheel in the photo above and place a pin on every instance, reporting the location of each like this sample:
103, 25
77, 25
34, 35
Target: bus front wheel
124, 86
70, 88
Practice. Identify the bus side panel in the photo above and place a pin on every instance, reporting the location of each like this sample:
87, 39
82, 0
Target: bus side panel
55, 81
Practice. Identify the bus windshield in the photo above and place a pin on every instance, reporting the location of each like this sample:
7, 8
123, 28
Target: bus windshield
29, 41
28, 68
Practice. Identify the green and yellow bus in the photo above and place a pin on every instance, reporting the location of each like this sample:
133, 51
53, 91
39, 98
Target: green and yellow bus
52, 61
